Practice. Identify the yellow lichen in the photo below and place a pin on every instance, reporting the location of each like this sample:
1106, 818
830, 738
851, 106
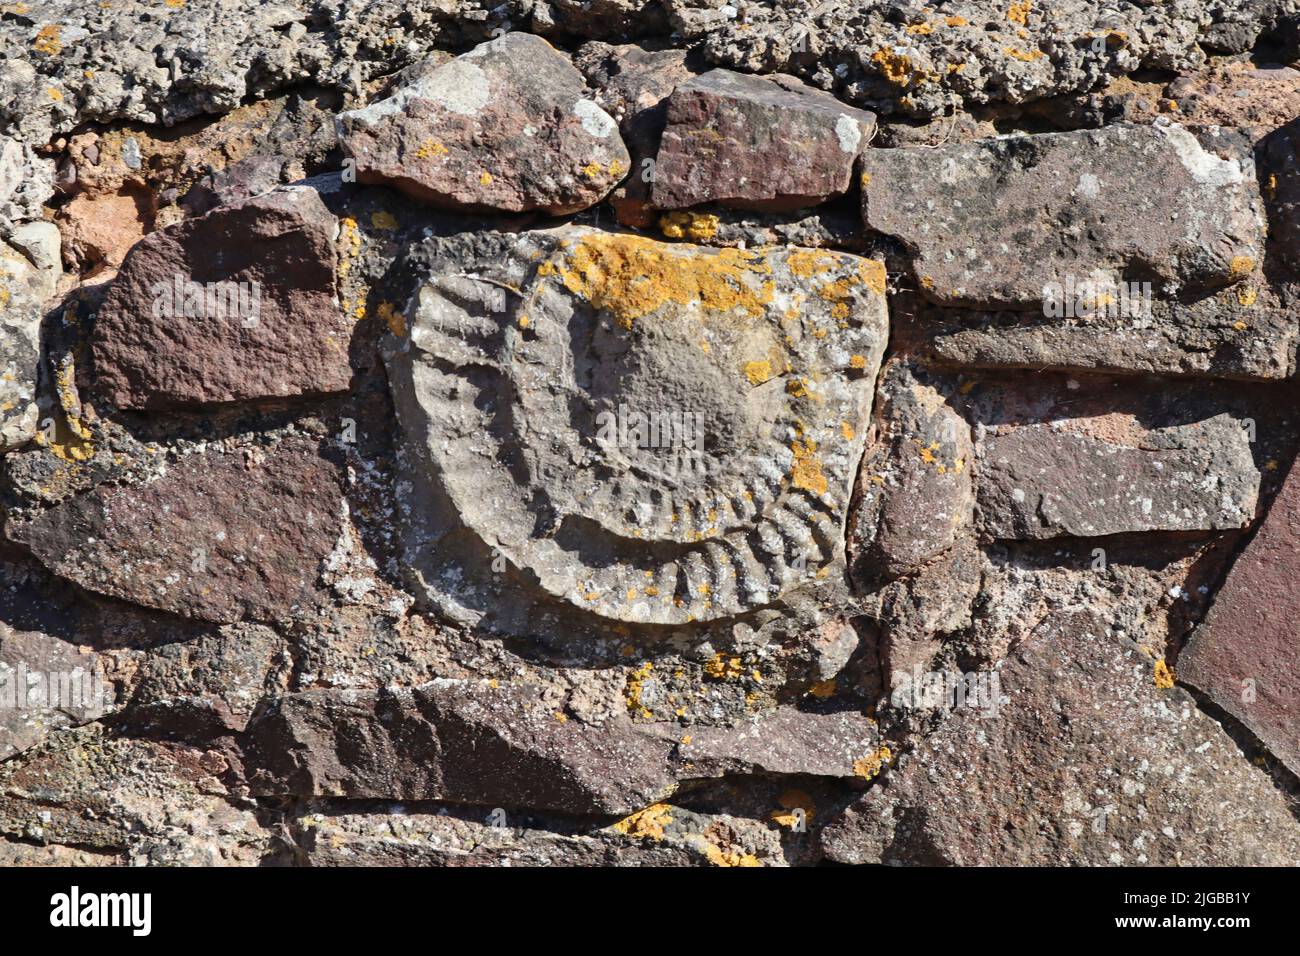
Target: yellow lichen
955, 21
1246, 295
689, 225
635, 686
1164, 677
723, 667
895, 67
632, 277
921, 29
790, 801
648, 823
430, 149
869, 766
729, 857
1241, 266
392, 318
383, 220
49, 39
485, 178
848, 431
1019, 12
823, 689
1028, 56
806, 470
857, 362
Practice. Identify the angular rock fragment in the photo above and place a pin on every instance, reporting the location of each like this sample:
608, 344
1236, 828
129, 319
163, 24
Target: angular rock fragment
157, 804
26, 182
234, 305
628, 430
29, 271
221, 536
1086, 762
994, 222
1245, 656
46, 684
469, 742
915, 495
1044, 481
505, 127
756, 142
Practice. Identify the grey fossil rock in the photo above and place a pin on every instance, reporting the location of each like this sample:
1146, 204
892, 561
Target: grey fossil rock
531, 360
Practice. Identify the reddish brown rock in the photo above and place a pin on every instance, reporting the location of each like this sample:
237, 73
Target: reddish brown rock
1086, 761
234, 305
222, 536
1245, 655
504, 128
769, 143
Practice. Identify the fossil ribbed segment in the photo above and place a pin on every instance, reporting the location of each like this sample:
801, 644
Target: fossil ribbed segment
650, 433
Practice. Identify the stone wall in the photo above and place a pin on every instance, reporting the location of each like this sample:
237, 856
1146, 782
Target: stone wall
632, 432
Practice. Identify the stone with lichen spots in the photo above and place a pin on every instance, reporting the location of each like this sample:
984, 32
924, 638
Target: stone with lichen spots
521, 497
29, 271
220, 536
275, 330
1087, 760
991, 223
1048, 480
504, 128
768, 143
467, 741
1245, 656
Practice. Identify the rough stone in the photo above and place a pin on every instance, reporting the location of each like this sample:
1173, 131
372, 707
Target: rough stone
523, 467
992, 223
219, 537
1043, 481
505, 127
181, 326
1086, 762
770, 143
1244, 656
29, 273
46, 684
469, 742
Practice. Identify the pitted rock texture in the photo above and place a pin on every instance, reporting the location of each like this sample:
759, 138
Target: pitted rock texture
1041, 481
650, 433
219, 536
800, 520
515, 100
186, 324
756, 143
1109, 770
1244, 655
992, 223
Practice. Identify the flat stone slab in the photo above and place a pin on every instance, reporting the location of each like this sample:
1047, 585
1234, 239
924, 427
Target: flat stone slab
756, 142
234, 305
220, 536
29, 271
992, 222
504, 128
1245, 655
531, 358
1045, 481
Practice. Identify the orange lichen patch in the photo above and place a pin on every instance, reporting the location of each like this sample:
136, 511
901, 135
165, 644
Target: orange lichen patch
592, 170
921, 29
806, 263
720, 857
858, 362
175, 4
391, 318
806, 471
1240, 326
956, 67
869, 766
699, 226
873, 275
561, 716
790, 801
647, 824
632, 277
1164, 677
1241, 266
1247, 295
1270, 187
1028, 56
723, 667
823, 689
383, 220
927, 451
1019, 12
955, 21
617, 169
431, 149
848, 431
635, 687
866, 180
485, 178
54, 93
49, 39
895, 67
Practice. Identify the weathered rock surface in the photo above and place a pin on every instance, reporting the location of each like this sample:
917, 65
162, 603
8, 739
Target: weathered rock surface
505, 127
1245, 655
220, 536
469, 742
182, 326
46, 684
770, 143
1041, 481
527, 360
1087, 762
29, 273
992, 223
